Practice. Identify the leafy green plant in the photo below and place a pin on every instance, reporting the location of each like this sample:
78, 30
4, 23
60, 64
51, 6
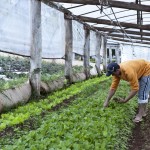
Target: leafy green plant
11, 65
11, 83
85, 124
57, 97
47, 77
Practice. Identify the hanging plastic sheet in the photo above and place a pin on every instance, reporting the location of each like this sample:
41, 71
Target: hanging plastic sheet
129, 52
15, 29
93, 43
78, 38
15, 26
53, 33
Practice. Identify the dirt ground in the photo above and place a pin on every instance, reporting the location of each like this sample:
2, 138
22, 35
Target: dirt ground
141, 135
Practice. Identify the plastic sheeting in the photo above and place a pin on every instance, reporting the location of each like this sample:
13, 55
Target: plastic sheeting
53, 33
78, 37
130, 52
15, 29
15, 33
93, 43
15, 26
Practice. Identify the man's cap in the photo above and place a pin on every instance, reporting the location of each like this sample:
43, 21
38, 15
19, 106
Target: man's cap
112, 67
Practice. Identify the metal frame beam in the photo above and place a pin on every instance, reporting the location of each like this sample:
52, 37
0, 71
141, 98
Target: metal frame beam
111, 3
114, 23
110, 30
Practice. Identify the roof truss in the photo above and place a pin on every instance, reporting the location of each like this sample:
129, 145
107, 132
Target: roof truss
110, 30
111, 3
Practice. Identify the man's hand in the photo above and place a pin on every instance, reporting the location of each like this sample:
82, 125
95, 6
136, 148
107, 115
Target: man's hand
120, 100
110, 94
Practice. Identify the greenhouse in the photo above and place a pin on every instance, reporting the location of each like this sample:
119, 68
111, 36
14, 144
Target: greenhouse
61, 62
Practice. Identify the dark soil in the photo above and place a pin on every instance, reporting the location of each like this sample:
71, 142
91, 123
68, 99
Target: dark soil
32, 123
141, 135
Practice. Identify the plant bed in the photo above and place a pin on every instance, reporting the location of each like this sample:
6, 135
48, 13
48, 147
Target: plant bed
22, 113
83, 124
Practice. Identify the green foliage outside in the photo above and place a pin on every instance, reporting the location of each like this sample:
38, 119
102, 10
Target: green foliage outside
4, 85
10, 66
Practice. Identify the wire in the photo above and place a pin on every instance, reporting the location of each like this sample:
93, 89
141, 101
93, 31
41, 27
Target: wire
75, 6
89, 12
104, 13
117, 22
121, 26
110, 19
112, 13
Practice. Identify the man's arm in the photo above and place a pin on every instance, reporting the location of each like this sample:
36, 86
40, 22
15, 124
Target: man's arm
134, 88
110, 94
131, 95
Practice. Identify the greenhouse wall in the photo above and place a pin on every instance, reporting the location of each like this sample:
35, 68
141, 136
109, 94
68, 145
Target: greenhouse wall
129, 52
15, 30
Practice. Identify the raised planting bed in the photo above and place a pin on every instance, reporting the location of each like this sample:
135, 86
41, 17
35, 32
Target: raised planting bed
73, 118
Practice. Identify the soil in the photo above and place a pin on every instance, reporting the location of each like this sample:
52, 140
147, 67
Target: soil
141, 135
29, 123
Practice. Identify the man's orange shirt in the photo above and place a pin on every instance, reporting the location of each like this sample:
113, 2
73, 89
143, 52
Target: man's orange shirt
132, 71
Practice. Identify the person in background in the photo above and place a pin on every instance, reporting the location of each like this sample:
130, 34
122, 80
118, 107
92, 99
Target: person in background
137, 73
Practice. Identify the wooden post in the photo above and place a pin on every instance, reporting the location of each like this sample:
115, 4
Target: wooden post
110, 54
87, 53
104, 53
36, 47
117, 54
73, 56
68, 50
98, 58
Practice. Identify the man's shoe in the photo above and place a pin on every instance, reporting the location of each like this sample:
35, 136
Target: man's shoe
137, 119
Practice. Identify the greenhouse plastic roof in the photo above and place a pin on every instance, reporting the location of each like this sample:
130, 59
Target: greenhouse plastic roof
123, 24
